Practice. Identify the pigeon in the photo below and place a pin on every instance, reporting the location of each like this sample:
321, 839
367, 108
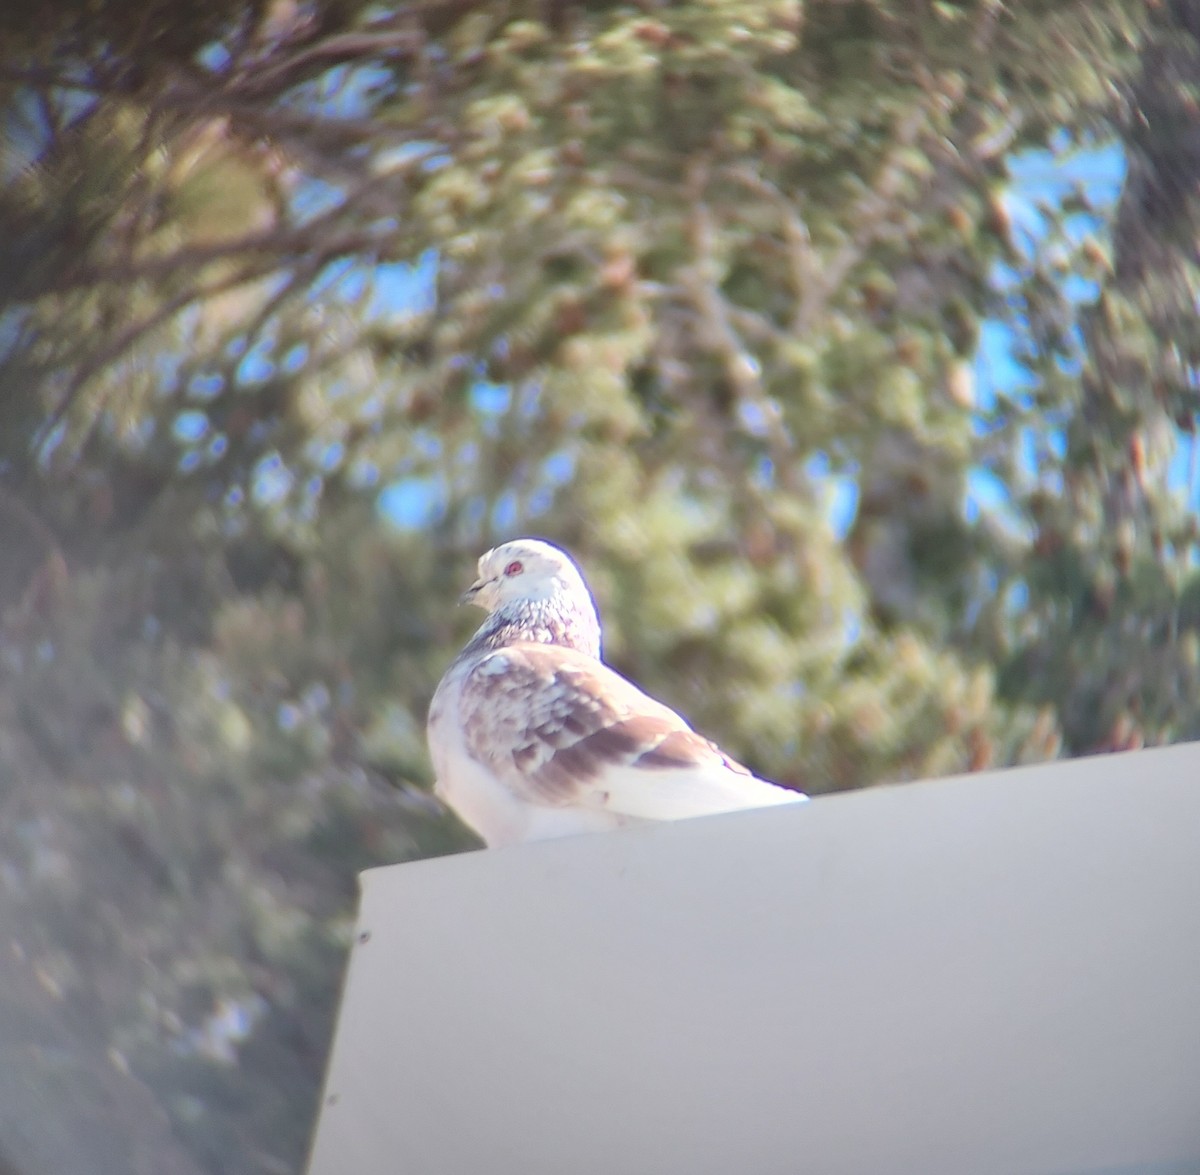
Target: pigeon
533, 736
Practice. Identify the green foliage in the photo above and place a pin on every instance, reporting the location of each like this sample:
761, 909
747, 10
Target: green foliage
670, 274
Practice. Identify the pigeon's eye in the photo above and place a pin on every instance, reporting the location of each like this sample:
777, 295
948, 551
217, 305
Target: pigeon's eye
514, 568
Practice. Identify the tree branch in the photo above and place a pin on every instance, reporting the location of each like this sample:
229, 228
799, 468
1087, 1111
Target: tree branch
868, 216
719, 335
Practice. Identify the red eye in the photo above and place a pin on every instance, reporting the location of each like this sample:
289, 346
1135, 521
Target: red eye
514, 568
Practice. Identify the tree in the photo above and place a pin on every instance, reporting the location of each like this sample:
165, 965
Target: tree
647, 280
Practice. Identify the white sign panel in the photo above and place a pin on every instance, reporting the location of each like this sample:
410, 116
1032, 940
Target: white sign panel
995, 973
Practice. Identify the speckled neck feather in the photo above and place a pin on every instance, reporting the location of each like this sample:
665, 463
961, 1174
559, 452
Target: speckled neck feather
561, 620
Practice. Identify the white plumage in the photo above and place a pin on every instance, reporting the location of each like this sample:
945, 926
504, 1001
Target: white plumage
533, 736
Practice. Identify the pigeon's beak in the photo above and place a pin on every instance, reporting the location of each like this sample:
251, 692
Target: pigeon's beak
468, 597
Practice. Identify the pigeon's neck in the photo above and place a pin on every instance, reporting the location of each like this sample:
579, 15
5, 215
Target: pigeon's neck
555, 621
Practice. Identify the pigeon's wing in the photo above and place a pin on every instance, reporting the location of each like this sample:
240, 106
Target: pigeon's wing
560, 728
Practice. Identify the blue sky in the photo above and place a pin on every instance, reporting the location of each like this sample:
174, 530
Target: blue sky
1040, 181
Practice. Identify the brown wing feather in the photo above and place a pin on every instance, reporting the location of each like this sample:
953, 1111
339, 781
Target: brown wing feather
549, 720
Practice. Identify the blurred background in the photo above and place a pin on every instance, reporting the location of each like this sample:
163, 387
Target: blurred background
850, 345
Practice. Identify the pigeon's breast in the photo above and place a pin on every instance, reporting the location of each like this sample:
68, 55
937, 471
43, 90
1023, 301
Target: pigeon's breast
480, 799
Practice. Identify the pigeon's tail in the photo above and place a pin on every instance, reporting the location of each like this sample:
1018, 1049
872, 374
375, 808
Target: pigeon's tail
677, 793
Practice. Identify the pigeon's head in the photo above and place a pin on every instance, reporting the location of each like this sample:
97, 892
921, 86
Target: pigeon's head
526, 570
